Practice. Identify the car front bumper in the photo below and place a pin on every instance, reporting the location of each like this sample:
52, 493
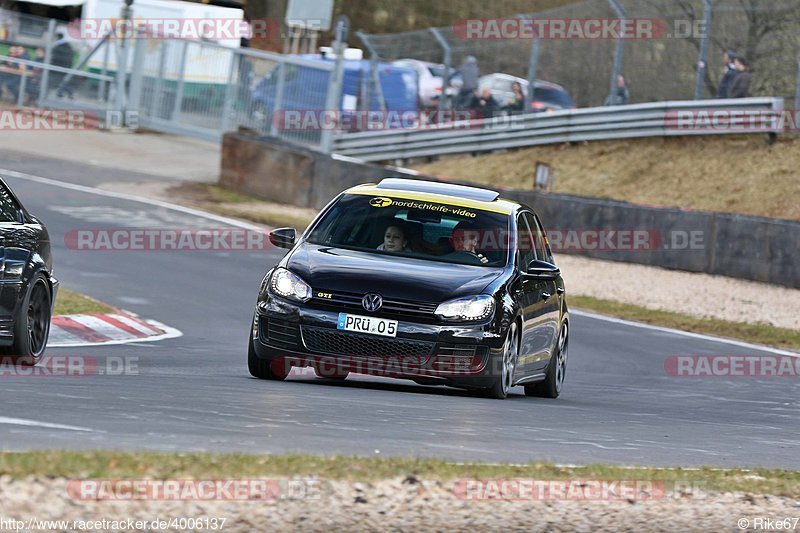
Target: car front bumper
293, 335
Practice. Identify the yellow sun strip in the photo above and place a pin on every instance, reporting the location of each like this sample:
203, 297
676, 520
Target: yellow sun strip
498, 206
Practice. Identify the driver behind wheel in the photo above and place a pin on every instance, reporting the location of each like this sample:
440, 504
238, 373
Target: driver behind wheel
465, 239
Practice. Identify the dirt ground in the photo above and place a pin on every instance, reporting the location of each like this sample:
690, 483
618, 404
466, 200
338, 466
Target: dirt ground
399, 504
741, 174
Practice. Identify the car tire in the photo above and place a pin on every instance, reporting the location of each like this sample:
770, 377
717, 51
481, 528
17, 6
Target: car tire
260, 368
556, 371
502, 384
32, 323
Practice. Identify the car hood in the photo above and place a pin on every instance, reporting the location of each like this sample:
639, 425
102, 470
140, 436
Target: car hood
338, 269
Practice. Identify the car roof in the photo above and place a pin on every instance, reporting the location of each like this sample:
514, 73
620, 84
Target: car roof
523, 81
438, 192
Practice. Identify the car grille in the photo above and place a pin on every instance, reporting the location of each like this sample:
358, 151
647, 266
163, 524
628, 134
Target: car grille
327, 341
392, 307
279, 333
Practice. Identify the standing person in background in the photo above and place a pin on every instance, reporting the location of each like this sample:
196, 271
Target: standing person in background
621, 95
11, 72
516, 104
484, 106
62, 56
470, 73
740, 88
724, 88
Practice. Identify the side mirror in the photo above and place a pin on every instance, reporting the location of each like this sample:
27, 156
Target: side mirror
283, 237
542, 270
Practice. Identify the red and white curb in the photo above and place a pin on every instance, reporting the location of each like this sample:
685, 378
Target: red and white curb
103, 329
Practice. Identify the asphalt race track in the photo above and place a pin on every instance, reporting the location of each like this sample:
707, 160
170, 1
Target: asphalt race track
194, 392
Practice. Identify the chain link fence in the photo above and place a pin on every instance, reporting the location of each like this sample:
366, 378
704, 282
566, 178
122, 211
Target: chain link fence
664, 66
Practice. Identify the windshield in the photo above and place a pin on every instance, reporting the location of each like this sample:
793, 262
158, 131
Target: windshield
412, 228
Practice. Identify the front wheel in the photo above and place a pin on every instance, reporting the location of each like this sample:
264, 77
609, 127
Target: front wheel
502, 384
32, 323
556, 370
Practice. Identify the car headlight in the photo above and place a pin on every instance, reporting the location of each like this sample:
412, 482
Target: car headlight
285, 283
469, 308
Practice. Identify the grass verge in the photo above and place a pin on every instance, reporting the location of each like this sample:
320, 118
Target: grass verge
122, 465
226, 202
732, 174
73, 303
755, 333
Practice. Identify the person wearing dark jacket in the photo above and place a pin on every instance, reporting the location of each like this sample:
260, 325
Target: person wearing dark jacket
724, 87
621, 95
740, 88
484, 106
62, 56
470, 74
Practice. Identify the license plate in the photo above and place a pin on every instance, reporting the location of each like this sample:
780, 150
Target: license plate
367, 324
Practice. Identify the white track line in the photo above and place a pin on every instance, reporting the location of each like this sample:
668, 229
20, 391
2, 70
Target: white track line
36, 423
245, 225
132, 198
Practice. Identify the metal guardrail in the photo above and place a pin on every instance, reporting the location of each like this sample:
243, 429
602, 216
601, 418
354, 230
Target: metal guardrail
588, 124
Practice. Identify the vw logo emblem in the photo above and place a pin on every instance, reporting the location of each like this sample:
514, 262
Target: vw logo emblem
372, 302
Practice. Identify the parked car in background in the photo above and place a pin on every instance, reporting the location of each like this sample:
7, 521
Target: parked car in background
306, 88
431, 80
547, 96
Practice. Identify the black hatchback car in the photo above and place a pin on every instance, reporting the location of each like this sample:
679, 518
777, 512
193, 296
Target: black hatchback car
438, 283
27, 286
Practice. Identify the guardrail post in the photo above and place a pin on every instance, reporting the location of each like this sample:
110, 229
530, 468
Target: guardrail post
227, 106
104, 85
448, 59
797, 86
533, 66
702, 59
22, 85
122, 65
334, 98
48, 55
159, 90
374, 77
618, 50
176, 111
273, 127
136, 80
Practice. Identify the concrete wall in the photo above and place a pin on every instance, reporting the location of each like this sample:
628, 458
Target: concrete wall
754, 248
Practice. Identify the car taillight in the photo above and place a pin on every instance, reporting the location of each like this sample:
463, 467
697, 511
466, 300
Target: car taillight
538, 105
438, 89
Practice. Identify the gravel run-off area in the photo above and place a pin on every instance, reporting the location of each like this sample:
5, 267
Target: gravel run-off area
404, 503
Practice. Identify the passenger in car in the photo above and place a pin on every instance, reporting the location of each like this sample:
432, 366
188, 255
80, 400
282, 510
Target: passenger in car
394, 239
